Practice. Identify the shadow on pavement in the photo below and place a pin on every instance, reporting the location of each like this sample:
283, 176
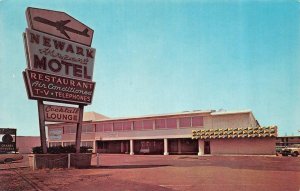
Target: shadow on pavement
253, 163
127, 166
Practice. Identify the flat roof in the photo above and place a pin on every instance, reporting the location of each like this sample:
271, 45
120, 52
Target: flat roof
230, 112
162, 115
194, 112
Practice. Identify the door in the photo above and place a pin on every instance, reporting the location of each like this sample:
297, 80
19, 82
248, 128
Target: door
206, 147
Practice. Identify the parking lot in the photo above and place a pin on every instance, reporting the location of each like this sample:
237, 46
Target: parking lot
156, 172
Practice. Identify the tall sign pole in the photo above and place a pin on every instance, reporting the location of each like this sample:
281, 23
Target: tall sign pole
79, 129
60, 64
42, 125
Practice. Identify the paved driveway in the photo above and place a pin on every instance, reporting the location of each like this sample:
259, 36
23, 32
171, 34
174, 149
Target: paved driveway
155, 172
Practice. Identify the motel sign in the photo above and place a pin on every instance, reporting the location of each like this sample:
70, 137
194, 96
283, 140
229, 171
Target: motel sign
60, 64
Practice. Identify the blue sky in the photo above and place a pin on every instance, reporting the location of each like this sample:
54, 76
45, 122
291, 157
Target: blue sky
156, 57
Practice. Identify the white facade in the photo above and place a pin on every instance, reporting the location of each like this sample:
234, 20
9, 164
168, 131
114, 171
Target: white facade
169, 132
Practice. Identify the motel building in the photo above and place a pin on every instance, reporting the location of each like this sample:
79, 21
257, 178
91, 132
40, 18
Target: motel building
193, 132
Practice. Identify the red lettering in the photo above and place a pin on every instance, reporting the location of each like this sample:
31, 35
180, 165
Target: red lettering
85, 85
46, 41
47, 78
34, 38
72, 83
67, 66
47, 109
41, 77
59, 81
51, 64
46, 92
65, 81
39, 63
89, 53
70, 48
58, 44
85, 74
79, 51
37, 91
53, 116
33, 76
77, 70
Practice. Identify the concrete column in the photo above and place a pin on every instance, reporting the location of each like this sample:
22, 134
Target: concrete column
131, 147
200, 147
179, 146
122, 147
94, 147
98, 162
69, 160
33, 162
166, 147
153, 125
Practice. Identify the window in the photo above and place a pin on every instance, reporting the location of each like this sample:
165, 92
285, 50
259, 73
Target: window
118, 126
127, 125
87, 144
160, 124
185, 122
54, 144
197, 121
55, 134
107, 126
69, 144
147, 124
99, 127
138, 125
88, 128
70, 129
171, 123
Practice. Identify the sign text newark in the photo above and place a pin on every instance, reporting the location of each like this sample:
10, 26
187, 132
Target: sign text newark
60, 57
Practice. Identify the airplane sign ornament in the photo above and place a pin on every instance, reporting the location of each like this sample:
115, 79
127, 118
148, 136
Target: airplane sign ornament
61, 25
